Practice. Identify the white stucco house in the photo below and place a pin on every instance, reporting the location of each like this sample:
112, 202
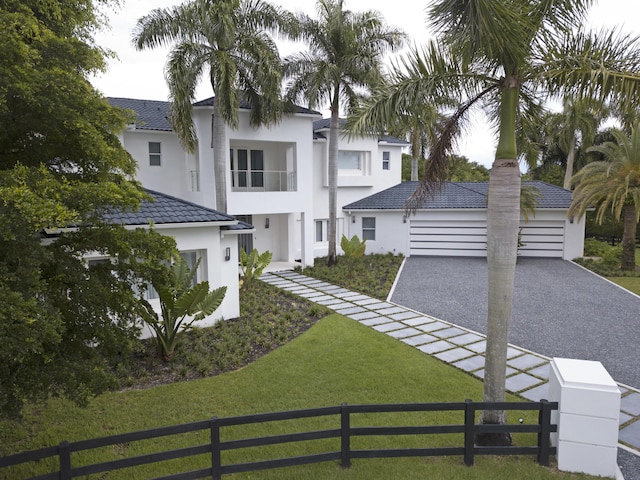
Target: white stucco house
453, 222
276, 175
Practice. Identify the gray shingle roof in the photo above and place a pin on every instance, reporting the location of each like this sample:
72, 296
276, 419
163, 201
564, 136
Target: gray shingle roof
151, 114
245, 105
166, 209
323, 125
455, 195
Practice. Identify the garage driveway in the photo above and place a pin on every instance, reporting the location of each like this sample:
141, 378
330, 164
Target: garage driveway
560, 309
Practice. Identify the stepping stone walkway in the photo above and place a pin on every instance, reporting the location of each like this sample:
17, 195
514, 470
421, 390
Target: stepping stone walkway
527, 372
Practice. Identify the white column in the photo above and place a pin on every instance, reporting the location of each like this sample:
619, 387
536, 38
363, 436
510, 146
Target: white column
587, 416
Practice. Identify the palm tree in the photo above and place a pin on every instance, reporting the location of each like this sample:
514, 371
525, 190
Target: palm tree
613, 185
344, 60
229, 39
575, 126
505, 57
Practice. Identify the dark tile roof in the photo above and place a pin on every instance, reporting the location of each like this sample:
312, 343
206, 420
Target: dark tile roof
323, 125
455, 195
238, 226
246, 105
151, 114
167, 209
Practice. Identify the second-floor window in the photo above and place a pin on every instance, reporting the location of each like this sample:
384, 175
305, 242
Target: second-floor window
155, 159
350, 160
386, 159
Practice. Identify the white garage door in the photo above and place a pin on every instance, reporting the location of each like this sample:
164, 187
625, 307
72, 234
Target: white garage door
543, 238
448, 238
469, 238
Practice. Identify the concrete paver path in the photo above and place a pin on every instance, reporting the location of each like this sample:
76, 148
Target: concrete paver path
462, 346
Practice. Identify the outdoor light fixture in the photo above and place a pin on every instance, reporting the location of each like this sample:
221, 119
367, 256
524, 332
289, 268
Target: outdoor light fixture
404, 219
227, 254
353, 219
266, 223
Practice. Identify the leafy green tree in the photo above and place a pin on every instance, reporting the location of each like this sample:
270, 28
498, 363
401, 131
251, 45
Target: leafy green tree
613, 185
229, 39
63, 322
505, 57
182, 304
344, 59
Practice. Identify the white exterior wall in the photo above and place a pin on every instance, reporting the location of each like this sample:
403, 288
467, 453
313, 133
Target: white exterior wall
392, 234
216, 270
351, 187
287, 146
172, 176
574, 238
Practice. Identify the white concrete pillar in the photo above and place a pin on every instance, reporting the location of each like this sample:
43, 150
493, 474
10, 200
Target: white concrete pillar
587, 416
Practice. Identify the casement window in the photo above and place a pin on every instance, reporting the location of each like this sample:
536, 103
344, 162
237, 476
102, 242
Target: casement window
247, 168
322, 229
155, 156
368, 228
386, 159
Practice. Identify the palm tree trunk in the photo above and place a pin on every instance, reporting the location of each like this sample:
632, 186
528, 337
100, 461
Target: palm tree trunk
219, 145
570, 161
629, 238
415, 153
503, 217
334, 126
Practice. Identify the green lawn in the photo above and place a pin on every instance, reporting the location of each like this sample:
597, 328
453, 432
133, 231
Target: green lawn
337, 360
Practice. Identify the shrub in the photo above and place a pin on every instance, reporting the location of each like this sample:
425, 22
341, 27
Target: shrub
595, 248
253, 264
353, 248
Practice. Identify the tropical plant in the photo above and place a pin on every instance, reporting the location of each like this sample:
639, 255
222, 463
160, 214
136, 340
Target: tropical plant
353, 247
252, 265
182, 302
344, 59
229, 39
504, 57
613, 185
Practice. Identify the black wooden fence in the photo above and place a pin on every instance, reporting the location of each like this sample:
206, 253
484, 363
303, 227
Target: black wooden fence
542, 450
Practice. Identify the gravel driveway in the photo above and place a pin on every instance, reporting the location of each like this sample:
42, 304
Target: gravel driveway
560, 309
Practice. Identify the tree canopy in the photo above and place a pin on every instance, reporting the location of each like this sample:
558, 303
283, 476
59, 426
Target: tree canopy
62, 167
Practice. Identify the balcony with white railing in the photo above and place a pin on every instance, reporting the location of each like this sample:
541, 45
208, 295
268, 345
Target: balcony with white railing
263, 181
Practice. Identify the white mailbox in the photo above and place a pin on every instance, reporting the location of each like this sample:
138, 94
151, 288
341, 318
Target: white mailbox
587, 417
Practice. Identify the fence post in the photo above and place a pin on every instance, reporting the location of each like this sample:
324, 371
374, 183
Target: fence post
544, 435
64, 452
345, 436
216, 467
469, 434
587, 417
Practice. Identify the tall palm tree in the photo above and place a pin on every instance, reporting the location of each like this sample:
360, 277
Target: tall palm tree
227, 39
575, 126
613, 185
343, 60
505, 57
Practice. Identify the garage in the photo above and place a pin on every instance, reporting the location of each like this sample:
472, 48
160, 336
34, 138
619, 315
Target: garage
453, 222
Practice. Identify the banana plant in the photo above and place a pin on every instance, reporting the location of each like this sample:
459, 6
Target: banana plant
253, 264
353, 247
182, 303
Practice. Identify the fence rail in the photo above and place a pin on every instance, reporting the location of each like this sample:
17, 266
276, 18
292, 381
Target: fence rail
542, 450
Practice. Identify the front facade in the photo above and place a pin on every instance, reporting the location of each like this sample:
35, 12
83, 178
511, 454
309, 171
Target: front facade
454, 222
276, 176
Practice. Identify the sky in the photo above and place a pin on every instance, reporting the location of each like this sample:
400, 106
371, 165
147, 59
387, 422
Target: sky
140, 75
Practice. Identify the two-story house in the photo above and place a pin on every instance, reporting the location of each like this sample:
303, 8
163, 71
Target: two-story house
276, 175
